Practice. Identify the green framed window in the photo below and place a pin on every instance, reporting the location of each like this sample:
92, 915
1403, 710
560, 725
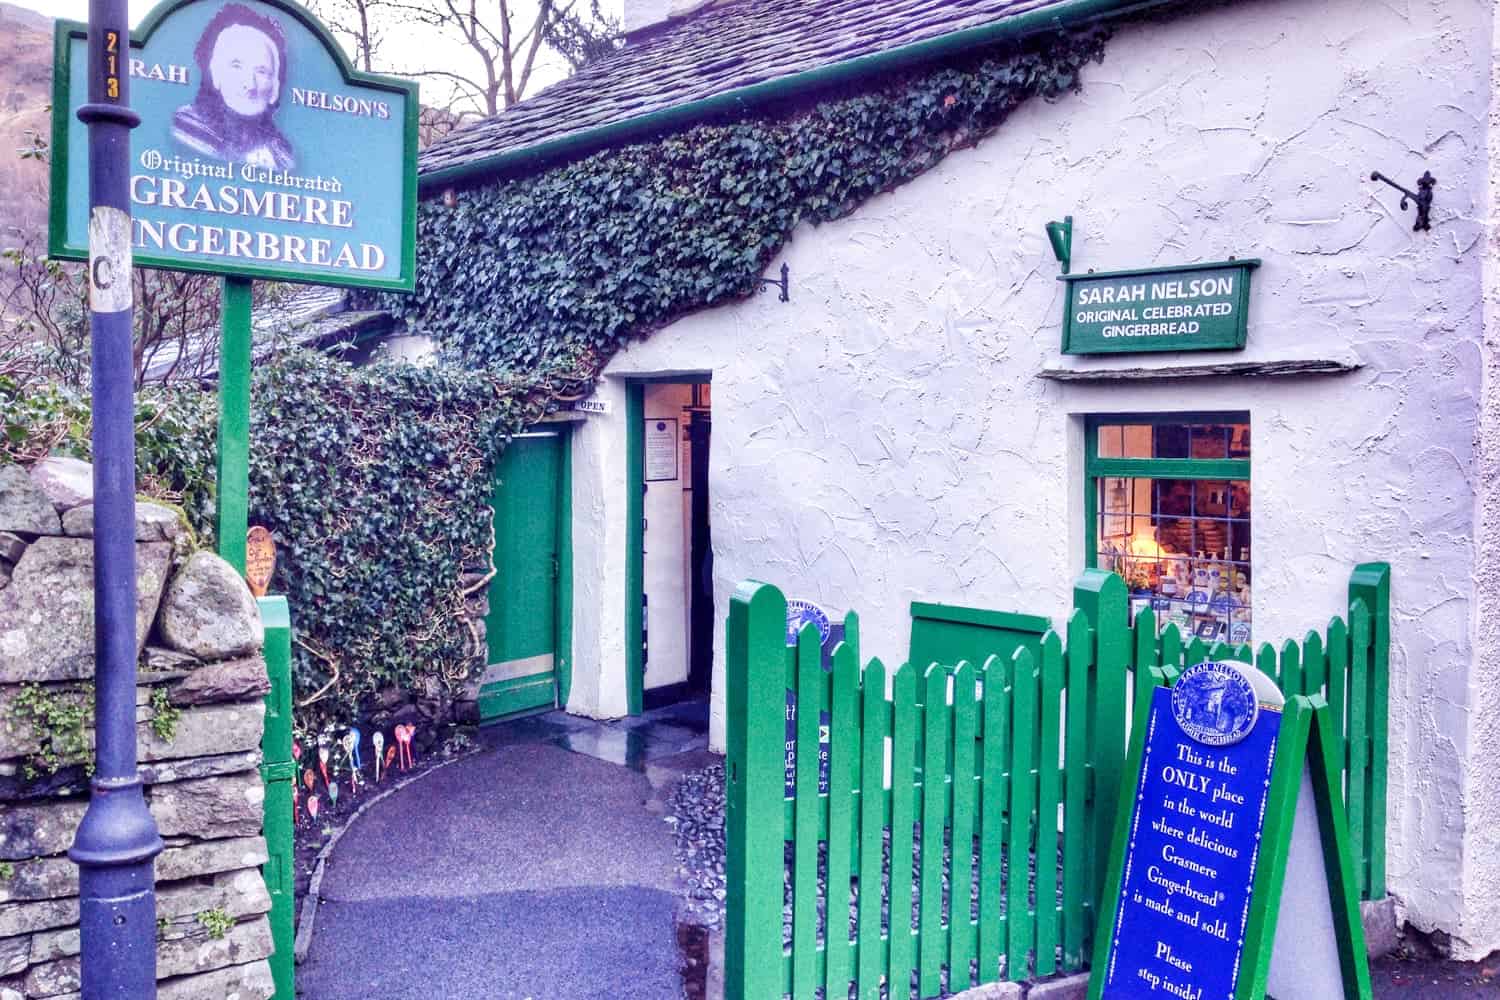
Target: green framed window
1168, 505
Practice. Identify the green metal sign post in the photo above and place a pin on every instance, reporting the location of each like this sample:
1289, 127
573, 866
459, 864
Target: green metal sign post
1195, 307
233, 470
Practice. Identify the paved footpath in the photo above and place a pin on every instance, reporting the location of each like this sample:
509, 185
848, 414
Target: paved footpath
526, 872
1393, 979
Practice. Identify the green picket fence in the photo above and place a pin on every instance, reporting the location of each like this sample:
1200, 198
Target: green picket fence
993, 866
278, 771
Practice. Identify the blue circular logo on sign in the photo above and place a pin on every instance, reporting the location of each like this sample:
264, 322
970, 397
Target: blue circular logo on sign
800, 613
1214, 703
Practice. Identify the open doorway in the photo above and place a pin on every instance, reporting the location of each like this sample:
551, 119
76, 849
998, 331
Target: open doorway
676, 550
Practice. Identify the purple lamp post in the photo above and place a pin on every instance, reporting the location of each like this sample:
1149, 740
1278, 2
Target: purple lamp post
117, 839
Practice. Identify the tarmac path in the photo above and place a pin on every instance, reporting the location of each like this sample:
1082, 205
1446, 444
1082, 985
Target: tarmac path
526, 872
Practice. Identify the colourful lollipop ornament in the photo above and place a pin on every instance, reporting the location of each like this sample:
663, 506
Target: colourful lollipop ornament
403, 741
333, 796
323, 763
312, 806
378, 739
349, 742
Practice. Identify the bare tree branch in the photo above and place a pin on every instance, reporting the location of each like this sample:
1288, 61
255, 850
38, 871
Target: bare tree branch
505, 38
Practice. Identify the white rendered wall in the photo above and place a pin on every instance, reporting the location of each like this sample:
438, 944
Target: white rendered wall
417, 350
598, 689
884, 437
1482, 797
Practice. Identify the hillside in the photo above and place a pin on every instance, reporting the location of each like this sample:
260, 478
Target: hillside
25, 98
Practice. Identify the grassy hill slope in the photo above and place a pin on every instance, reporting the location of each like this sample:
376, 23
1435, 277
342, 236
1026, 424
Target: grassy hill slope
25, 100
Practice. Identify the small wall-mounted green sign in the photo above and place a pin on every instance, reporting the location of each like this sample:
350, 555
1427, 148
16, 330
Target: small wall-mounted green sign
1194, 307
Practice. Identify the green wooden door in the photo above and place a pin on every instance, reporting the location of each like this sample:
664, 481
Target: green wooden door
522, 627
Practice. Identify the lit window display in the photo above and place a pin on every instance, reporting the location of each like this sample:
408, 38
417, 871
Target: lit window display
1181, 542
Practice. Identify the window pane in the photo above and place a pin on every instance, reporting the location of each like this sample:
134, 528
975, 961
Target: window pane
1174, 496
1124, 440
1109, 438
1239, 499
1183, 548
1205, 441
1211, 498
1137, 440
1210, 441
1171, 441
1239, 441
1239, 542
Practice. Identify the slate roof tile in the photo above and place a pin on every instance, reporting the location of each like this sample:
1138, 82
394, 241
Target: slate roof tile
312, 316
719, 49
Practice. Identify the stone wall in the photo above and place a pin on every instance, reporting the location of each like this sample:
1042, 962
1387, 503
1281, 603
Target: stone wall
199, 709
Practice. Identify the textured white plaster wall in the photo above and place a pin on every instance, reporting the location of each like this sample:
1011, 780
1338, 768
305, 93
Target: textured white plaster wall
1482, 798
598, 688
884, 437
415, 349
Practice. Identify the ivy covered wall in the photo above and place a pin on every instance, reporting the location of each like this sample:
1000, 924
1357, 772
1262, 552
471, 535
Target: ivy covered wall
538, 281
558, 270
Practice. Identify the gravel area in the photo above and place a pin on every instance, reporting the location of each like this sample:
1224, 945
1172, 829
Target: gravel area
695, 811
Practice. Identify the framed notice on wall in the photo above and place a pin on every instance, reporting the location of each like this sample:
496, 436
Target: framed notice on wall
661, 449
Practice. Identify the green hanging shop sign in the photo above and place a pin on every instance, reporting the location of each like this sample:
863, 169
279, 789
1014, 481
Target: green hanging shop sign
261, 152
1193, 307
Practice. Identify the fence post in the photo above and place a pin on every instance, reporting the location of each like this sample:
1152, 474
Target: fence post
1101, 597
754, 778
1371, 583
278, 771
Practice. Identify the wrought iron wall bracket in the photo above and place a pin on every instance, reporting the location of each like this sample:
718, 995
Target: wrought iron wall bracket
1422, 196
784, 283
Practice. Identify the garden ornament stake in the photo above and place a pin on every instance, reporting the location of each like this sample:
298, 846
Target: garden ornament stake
117, 839
1422, 196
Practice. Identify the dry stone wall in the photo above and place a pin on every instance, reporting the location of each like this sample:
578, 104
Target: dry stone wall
199, 710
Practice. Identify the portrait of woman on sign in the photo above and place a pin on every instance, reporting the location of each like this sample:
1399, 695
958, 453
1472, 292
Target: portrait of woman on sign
242, 66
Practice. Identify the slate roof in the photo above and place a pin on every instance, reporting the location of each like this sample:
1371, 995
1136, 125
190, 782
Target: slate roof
727, 46
311, 316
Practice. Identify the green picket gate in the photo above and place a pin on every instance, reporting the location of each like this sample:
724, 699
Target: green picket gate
278, 772
982, 794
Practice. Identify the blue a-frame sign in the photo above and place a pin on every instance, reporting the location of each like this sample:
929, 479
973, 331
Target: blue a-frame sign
1230, 876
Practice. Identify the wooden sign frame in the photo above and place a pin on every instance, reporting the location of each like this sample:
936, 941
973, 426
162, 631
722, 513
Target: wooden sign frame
1307, 743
